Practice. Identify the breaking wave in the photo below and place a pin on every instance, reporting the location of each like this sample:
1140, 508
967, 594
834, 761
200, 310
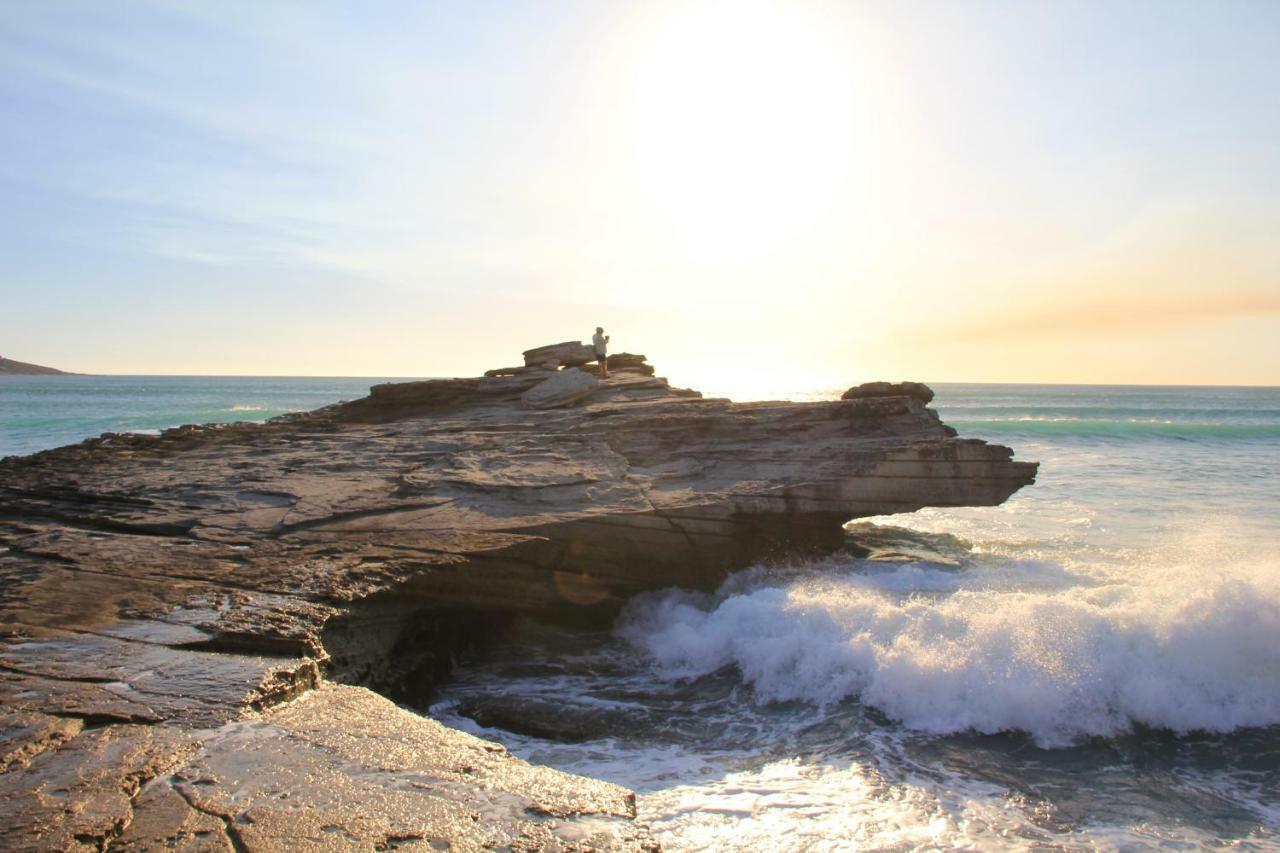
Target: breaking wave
1056, 651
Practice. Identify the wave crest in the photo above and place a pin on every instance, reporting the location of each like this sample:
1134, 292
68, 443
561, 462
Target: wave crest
1069, 655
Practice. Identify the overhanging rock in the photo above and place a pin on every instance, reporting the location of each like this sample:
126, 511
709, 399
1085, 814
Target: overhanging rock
166, 585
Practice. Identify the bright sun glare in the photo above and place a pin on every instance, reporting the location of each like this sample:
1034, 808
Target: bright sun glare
743, 125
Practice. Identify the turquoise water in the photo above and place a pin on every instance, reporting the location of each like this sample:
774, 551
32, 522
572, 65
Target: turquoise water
1114, 412
1143, 464
1093, 664
40, 412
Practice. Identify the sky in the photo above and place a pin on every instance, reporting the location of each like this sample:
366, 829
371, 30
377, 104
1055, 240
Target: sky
754, 194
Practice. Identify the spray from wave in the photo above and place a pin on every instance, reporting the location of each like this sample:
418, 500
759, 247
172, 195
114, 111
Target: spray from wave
1185, 641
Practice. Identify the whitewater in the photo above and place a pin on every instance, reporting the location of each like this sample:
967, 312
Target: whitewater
1095, 663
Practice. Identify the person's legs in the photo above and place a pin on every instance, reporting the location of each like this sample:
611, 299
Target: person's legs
604, 367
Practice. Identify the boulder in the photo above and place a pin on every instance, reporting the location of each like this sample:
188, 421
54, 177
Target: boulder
866, 390
625, 370
523, 370
567, 353
626, 359
501, 386
563, 389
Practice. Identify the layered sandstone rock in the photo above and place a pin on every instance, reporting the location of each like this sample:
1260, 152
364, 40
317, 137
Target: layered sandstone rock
620, 360
165, 601
567, 354
341, 768
563, 388
574, 354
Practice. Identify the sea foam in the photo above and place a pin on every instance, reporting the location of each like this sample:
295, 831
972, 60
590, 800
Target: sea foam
1059, 652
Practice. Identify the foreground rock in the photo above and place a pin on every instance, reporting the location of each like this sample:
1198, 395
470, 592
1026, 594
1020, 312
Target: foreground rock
305, 775
174, 609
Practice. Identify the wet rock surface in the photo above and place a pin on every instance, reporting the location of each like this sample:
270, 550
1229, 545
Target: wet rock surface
174, 610
291, 778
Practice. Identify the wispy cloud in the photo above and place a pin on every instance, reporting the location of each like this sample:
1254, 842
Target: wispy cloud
260, 136
1121, 313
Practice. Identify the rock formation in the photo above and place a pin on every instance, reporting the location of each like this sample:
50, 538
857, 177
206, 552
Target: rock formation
178, 612
563, 388
629, 361
567, 354
866, 390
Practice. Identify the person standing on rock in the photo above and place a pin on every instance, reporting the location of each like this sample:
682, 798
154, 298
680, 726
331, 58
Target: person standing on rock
601, 343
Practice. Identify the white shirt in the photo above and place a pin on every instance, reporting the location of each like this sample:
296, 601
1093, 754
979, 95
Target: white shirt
599, 341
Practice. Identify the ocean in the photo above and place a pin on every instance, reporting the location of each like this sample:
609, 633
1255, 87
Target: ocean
1093, 664
40, 412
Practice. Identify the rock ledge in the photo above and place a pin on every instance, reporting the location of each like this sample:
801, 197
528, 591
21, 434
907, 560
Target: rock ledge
175, 610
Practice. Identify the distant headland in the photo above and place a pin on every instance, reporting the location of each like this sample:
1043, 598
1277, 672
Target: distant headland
9, 367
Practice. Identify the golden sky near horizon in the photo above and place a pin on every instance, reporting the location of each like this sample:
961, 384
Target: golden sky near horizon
757, 195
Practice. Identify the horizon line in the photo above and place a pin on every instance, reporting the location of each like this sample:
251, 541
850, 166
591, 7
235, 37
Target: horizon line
414, 378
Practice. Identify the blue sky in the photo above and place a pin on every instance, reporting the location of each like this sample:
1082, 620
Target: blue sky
1003, 191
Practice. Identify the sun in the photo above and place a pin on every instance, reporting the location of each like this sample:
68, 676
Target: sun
742, 124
